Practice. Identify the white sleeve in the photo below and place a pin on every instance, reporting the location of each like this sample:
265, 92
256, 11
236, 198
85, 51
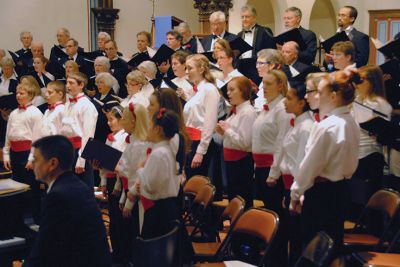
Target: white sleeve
242, 136
88, 119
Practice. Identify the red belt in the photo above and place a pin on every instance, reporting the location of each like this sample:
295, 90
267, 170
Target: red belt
19, 146
231, 154
76, 141
320, 179
124, 181
263, 160
110, 175
287, 180
194, 134
147, 203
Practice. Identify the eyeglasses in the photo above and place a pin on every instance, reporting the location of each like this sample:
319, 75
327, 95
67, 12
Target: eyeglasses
263, 62
309, 91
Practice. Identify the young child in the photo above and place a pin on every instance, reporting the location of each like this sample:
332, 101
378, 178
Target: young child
79, 123
158, 182
135, 122
108, 184
23, 129
55, 95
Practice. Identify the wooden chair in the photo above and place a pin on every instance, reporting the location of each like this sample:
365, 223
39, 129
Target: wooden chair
190, 190
382, 205
159, 251
378, 259
318, 252
249, 239
231, 213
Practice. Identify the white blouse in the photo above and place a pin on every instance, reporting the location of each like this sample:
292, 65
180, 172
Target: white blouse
52, 120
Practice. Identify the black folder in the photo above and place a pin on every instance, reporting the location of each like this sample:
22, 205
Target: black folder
391, 49
391, 67
387, 132
91, 55
210, 56
170, 83
240, 45
291, 35
19, 61
8, 101
105, 154
339, 37
138, 58
163, 54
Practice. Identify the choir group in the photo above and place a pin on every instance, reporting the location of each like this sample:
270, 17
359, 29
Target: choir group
264, 123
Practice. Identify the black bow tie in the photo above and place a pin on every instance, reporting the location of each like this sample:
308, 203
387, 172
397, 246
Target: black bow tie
215, 36
248, 31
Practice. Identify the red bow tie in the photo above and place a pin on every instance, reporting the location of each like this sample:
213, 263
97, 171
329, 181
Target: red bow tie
127, 139
53, 106
265, 106
292, 122
233, 110
75, 99
24, 107
318, 118
110, 137
148, 151
195, 88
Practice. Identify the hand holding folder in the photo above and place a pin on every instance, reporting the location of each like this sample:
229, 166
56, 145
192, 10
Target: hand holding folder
105, 154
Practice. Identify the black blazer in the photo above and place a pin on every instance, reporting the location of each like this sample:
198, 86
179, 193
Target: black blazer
102, 128
361, 43
307, 56
71, 231
191, 45
303, 70
207, 40
263, 38
119, 69
45, 78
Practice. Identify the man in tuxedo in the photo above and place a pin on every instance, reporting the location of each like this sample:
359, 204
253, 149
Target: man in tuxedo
292, 19
174, 40
295, 70
218, 29
71, 49
26, 39
102, 38
118, 67
346, 17
189, 42
71, 232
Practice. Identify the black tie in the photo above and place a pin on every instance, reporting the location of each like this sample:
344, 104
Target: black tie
249, 31
215, 36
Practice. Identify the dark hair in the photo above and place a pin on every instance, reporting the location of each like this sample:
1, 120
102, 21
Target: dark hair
168, 120
57, 146
117, 111
300, 91
353, 12
180, 56
374, 75
340, 81
176, 34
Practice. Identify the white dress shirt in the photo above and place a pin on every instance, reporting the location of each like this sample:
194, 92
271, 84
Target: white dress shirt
331, 151
79, 119
138, 98
239, 135
200, 112
22, 125
248, 38
52, 120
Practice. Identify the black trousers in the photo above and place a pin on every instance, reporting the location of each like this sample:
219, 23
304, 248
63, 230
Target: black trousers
203, 168
218, 168
324, 210
240, 179
32, 199
271, 196
158, 219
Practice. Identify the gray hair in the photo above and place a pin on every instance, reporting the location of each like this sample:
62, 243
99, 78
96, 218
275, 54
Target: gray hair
218, 16
107, 78
250, 8
104, 61
66, 31
6, 61
105, 34
149, 66
295, 10
184, 25
271, 55
2, 52
25, 33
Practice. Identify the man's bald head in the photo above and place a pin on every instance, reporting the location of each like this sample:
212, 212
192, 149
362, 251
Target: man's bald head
37, 49
290, 52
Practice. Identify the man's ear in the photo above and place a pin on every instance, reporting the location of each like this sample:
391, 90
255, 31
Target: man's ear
54, 163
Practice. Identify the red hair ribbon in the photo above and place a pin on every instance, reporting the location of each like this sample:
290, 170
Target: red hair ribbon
132, 109
161, 113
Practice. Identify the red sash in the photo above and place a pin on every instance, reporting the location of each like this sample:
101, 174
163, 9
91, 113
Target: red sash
231, 154
76, 141
263, 160
19, 146
194, 134
147, 203
287, 180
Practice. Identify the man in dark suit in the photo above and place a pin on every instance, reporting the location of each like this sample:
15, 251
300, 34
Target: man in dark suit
295, 70
218, 29
346, 17
71, 232
26, 39
292, 18
118, 66
189, 41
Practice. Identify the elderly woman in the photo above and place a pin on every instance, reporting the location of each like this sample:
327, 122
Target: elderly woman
149, 70
8, 84
101, 65
139, 89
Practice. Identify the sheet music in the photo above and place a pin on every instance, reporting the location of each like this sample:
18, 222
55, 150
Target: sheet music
237, 264
10, 187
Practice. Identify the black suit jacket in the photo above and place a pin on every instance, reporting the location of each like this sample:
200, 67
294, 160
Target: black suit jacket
119, 69
361, 43
303, 70
102, 128
263, 38
45, 78
71, 231
307, 56
191, 45
207, 40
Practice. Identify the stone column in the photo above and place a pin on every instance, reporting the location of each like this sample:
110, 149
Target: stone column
106, 16
206, 7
